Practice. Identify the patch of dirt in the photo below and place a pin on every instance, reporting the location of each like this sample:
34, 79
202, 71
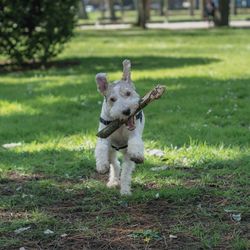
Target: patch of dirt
6, 184
9, 215
18, 178
157, 215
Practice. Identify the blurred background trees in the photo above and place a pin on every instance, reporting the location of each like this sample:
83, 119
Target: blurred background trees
35, 30
140, 12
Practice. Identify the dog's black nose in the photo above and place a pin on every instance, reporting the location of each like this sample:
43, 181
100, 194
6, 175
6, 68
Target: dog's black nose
126, 112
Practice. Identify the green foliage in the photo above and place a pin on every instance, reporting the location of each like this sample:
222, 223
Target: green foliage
35, 30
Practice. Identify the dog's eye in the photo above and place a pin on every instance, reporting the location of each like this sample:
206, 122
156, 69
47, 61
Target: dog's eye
128, 93
112, 99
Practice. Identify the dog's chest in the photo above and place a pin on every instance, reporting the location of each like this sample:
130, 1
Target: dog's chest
120, 137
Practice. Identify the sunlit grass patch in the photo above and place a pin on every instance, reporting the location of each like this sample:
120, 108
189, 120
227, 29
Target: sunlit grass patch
12, 108
195, 155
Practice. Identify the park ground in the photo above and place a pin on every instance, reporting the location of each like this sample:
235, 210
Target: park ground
51, 196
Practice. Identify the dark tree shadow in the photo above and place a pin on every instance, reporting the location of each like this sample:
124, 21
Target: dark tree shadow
160, 33
92, 65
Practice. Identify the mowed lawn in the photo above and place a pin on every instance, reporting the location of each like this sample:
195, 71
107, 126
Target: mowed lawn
200, 198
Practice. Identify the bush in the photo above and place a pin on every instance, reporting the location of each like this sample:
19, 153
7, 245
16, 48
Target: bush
35, 30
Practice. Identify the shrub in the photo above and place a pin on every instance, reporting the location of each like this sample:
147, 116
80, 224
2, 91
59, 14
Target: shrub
35, 30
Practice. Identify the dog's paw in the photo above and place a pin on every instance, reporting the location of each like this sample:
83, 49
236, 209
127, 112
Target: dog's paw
137, 158
113, 183
102, 168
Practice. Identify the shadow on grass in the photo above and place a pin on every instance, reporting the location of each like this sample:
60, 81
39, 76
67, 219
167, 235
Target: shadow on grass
93, 65
159, 33
76, 163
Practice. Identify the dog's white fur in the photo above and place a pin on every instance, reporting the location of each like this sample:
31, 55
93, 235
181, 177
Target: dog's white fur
106, 156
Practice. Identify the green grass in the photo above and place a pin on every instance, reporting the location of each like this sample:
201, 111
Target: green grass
202, 125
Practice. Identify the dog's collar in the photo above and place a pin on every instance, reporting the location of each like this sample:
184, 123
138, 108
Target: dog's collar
105, 122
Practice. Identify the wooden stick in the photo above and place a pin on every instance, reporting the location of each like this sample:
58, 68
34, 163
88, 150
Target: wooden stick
152, 95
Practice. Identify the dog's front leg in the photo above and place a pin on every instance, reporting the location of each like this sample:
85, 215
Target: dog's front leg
126, 175
136, 148
102, 155
114, 174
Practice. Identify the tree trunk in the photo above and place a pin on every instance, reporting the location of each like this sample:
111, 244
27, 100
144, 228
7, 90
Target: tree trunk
191, 7
112, 10
148, 2
82, 10
234, 7
202, 9
103, 9
162, 7
122, 9
143, 7
166, 9
223, 13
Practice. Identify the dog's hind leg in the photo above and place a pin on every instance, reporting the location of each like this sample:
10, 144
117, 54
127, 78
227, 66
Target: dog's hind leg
115, 169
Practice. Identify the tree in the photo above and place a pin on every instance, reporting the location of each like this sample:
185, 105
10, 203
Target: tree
234, 7
112, 10
191, 8
35, 30
202, 8
143, 12
162, 7
220, 14
223, 19
122, 8
82, 10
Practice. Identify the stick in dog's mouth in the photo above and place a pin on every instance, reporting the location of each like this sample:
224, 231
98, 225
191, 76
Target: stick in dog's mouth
131, 123
154, 94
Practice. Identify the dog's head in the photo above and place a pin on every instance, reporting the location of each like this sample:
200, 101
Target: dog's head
120, 96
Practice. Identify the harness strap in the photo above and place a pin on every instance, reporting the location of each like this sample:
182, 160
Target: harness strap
119, 148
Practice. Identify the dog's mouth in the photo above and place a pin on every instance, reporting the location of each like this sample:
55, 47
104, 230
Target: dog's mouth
131, 123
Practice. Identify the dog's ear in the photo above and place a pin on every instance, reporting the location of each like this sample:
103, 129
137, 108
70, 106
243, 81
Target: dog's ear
102, 83
126, 71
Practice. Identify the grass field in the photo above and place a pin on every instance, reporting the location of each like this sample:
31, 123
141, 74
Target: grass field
201, 199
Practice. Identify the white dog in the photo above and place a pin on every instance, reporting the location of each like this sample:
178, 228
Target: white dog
120, 101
